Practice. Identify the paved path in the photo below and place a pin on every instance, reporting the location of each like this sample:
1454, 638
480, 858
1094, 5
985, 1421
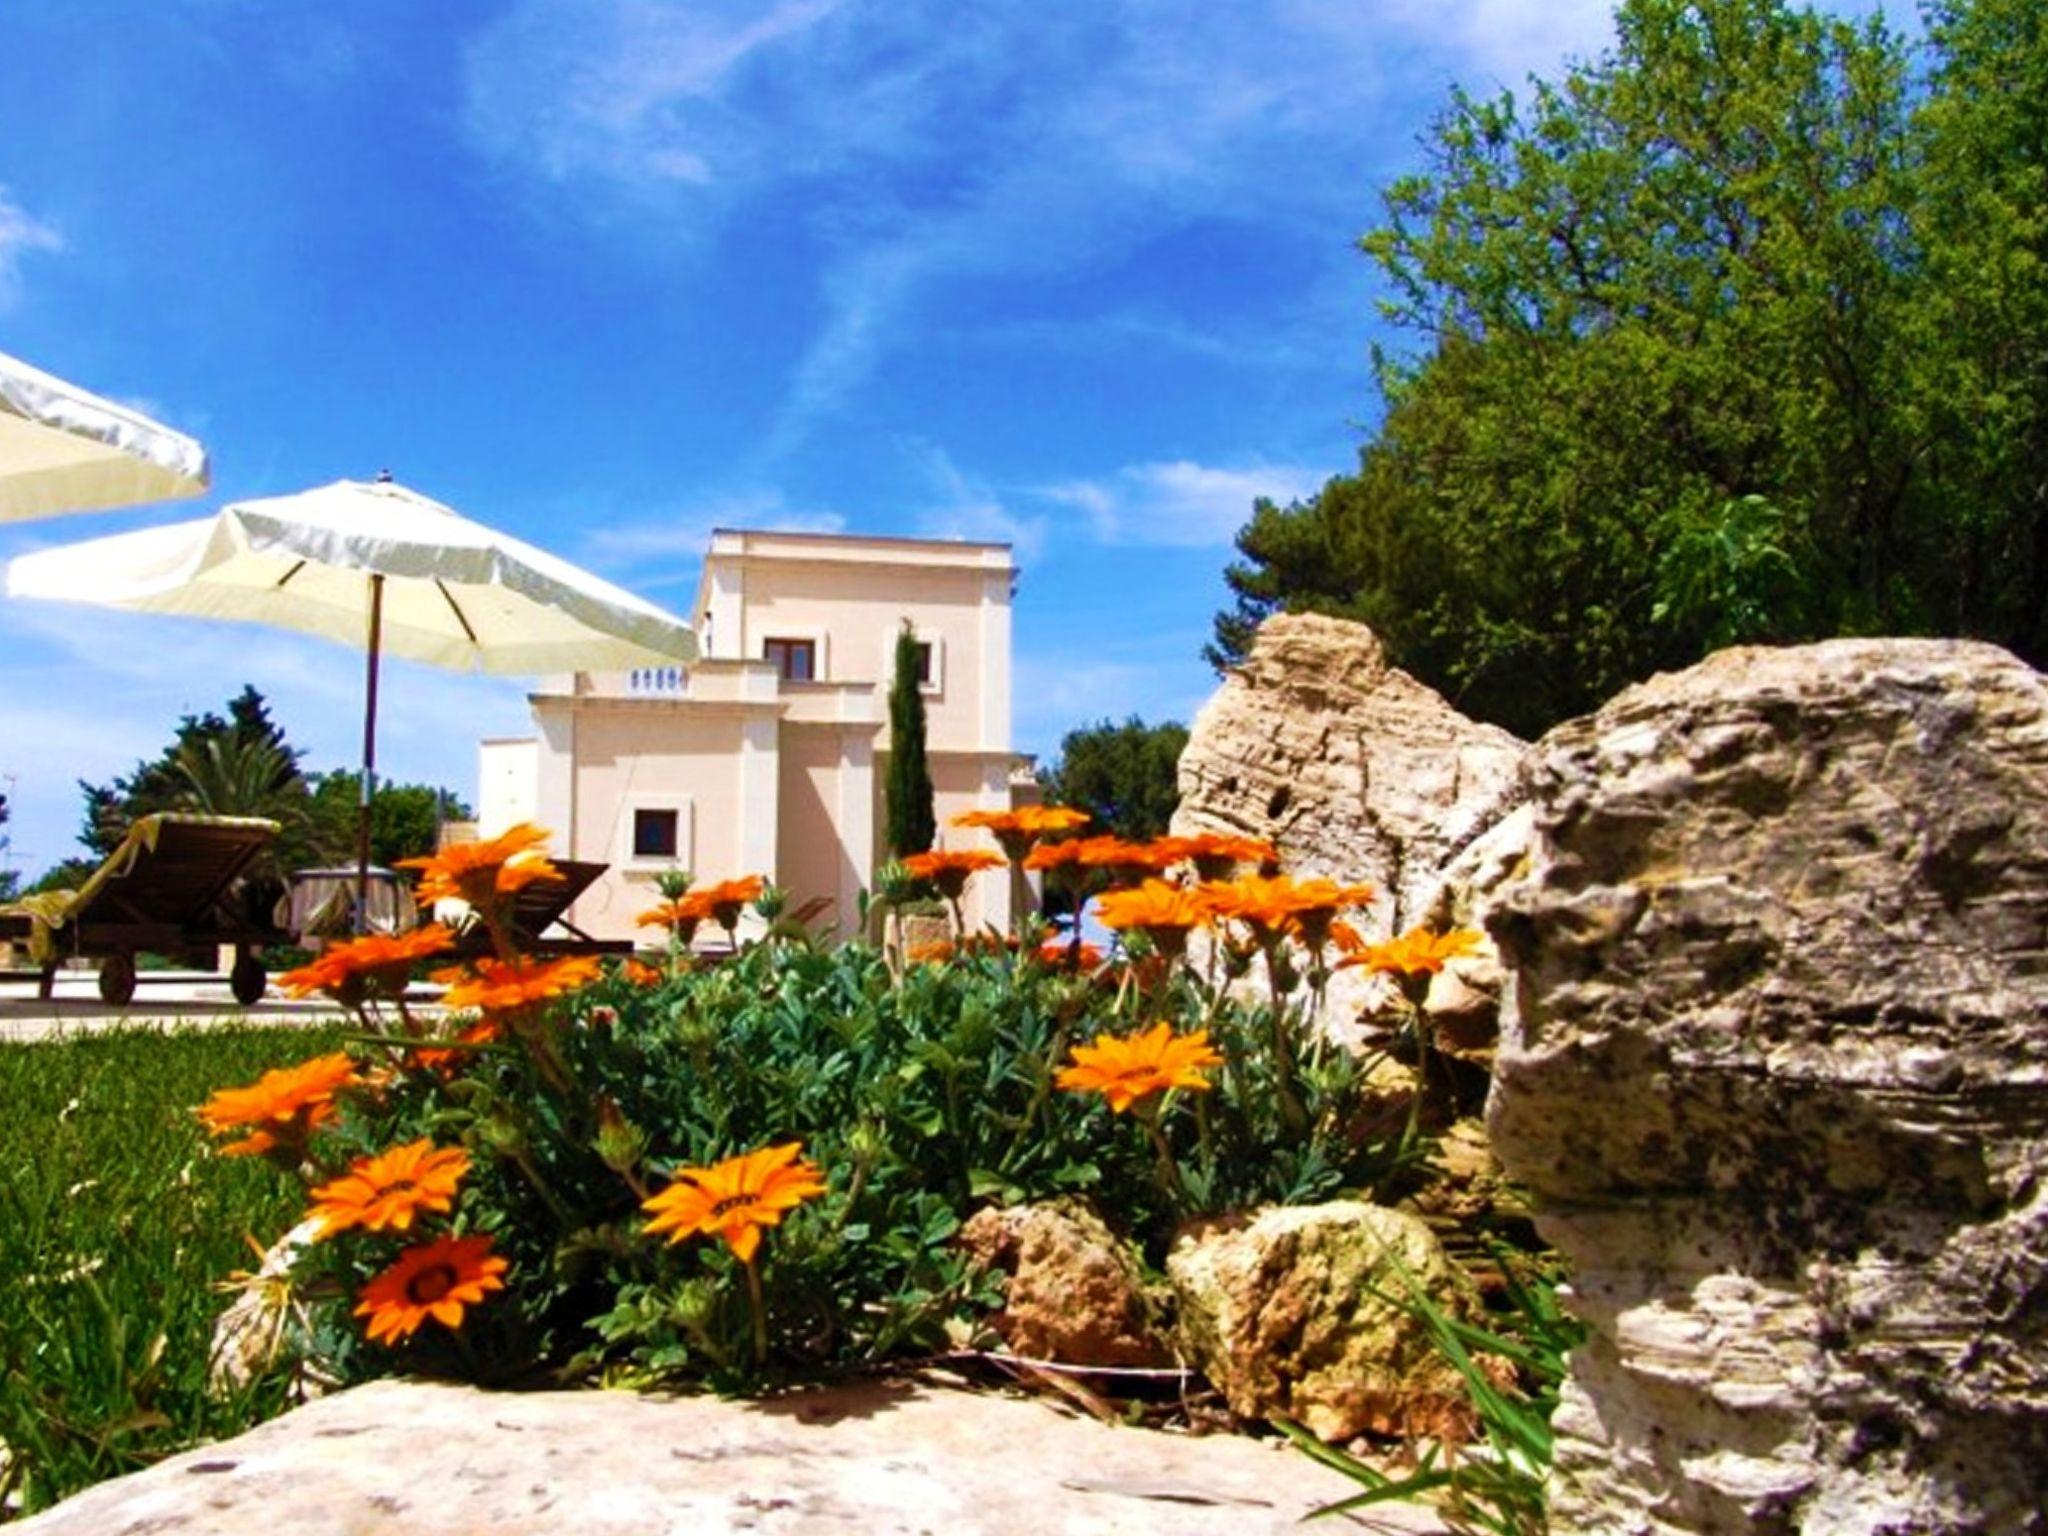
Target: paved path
165, 999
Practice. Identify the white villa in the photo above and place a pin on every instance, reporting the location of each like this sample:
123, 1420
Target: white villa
766, 756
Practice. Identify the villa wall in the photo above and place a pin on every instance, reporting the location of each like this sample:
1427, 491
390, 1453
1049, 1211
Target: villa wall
630, 756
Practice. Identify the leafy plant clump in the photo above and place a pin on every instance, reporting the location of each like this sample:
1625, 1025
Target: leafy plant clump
746, 1171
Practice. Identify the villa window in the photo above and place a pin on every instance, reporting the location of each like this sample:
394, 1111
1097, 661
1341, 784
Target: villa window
796, 660
655, 833
924, 663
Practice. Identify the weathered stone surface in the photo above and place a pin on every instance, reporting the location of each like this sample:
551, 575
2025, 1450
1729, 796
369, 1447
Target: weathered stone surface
413, 1459
257, 1327
1353, 768
1074, 1292
1279, 1313
1775, 1062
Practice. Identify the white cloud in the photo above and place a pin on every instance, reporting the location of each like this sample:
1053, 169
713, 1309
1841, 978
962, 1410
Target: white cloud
19, 235
665, 550
922, 141
1180, 503
964, 507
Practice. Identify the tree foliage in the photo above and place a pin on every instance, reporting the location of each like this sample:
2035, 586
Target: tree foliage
1125, 776
912, 823
241, 764
1738, 333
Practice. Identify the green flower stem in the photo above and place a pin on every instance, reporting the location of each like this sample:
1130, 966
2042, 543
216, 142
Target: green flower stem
758, 1306
1147, 1115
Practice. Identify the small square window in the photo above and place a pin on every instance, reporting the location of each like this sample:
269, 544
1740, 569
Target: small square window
654, 834
796, 660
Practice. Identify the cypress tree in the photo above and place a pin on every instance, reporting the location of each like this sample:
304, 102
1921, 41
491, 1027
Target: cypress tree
912, 824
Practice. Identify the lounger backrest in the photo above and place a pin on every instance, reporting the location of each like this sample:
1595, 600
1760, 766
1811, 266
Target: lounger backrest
183, 877
538, 906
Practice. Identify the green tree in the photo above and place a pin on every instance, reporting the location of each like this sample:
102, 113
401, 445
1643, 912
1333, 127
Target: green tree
405, 819
1125, 776
9, 880
1734, 333
234, 765
911, 824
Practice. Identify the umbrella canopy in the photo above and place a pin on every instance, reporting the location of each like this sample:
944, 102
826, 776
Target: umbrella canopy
372, 564
63, 449
453, 592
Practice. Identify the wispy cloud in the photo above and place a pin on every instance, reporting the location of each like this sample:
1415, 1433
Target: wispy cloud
665, 550
1180, 503
922, 142
20, 233
962, 506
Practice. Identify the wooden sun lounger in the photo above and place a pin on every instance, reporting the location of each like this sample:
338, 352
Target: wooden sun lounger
169, 889
540, 907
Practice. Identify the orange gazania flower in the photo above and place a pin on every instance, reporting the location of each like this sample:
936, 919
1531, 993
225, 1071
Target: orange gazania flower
639, 973
1418, 952
1064, 952
384, 961
722, 902
736, 1198
1165, 912
501, 986
1017, 830
384, 1193
443, 1058
937, 952
282, 1107
1216, 855
479, 873
1133, 1067
437, 1280
683, 915
1281, 905
949, 868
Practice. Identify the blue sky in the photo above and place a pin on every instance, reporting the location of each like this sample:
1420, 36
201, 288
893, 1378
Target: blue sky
608, 273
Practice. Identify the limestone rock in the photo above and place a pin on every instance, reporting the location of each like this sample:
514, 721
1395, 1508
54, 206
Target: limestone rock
1353, 768
258, 1326
1075, 1292
1775, 1065
875, 1459
1279, 1313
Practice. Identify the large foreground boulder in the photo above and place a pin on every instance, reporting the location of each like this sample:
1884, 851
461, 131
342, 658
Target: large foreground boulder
1775, 1064
413, 1459
1301, 1312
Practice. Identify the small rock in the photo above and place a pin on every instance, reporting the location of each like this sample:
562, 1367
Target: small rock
1076, 1292
254, 1330
1298, 1313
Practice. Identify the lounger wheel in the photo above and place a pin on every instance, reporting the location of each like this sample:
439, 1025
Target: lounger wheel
247, 980
117, 979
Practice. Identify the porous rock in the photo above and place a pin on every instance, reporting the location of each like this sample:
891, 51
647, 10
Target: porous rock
1353, 770
1074, 1291
873, 1459
1775, 1064
1351, 767
1299, 1312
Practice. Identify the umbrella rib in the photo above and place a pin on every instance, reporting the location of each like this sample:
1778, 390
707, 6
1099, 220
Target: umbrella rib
455, 608
288, 575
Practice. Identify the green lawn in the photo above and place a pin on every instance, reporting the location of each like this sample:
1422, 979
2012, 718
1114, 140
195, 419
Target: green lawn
116, 1225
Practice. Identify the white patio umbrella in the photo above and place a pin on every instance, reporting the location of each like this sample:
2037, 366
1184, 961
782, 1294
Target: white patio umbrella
376, 565
63, 449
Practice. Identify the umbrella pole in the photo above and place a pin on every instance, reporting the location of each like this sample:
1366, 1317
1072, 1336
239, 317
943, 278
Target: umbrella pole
369, 758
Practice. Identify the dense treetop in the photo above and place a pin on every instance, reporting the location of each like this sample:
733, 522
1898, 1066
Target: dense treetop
1739, 332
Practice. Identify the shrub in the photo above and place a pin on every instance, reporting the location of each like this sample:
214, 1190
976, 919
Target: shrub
745, 1171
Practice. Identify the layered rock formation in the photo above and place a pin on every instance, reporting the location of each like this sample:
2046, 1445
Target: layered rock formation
1353, 768
1774, 1064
